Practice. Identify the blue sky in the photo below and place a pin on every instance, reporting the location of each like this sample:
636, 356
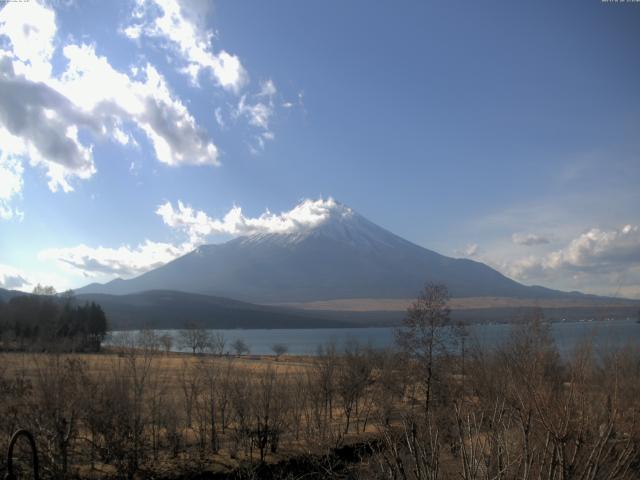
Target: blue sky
504, 133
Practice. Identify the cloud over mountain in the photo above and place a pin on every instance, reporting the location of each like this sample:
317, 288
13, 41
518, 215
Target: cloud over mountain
126, 261
198, 225
319, 250
595, 251
11, 278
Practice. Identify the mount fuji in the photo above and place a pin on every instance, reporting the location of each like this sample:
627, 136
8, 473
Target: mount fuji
341, 256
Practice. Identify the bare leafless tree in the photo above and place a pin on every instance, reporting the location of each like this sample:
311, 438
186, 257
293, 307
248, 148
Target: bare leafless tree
240, 347
353, 377
279, 349
216, 343
424, 334
166, 340
195, 338
57, 393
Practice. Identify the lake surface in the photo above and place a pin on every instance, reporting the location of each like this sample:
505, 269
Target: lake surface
605, 335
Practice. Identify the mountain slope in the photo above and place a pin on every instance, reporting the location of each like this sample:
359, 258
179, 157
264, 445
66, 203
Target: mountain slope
170, 309
345, 256
6, 295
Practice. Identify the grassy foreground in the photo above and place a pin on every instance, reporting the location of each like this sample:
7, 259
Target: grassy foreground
518, 411
122, 413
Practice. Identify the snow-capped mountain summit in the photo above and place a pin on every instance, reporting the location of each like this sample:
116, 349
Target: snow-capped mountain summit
339, 224
327, 251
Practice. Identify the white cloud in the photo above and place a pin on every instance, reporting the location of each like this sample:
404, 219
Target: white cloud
198, 225
267, 89
12, 278
10, 184
593, 252
182, 26
42, 116
41, 124
7, 212
124, 261
258, 113
31, 28
122, 137
219, 118
133, 32
147, 102
18, 279
529, 239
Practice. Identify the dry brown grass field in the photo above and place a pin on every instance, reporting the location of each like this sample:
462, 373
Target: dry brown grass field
462, 303
518, 411
175, 396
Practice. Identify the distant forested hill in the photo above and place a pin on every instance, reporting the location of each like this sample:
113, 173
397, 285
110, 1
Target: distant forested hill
170, 309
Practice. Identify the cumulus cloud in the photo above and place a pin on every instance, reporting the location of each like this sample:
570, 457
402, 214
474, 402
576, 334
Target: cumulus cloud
198, 225
127, 261
593, 252
12, 278
41, 115
31, 29
529, 239
36, 121
44, 126
181, 25
17, 279
145, 101
124, 261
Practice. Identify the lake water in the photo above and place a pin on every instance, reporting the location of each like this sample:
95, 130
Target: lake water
609, 334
